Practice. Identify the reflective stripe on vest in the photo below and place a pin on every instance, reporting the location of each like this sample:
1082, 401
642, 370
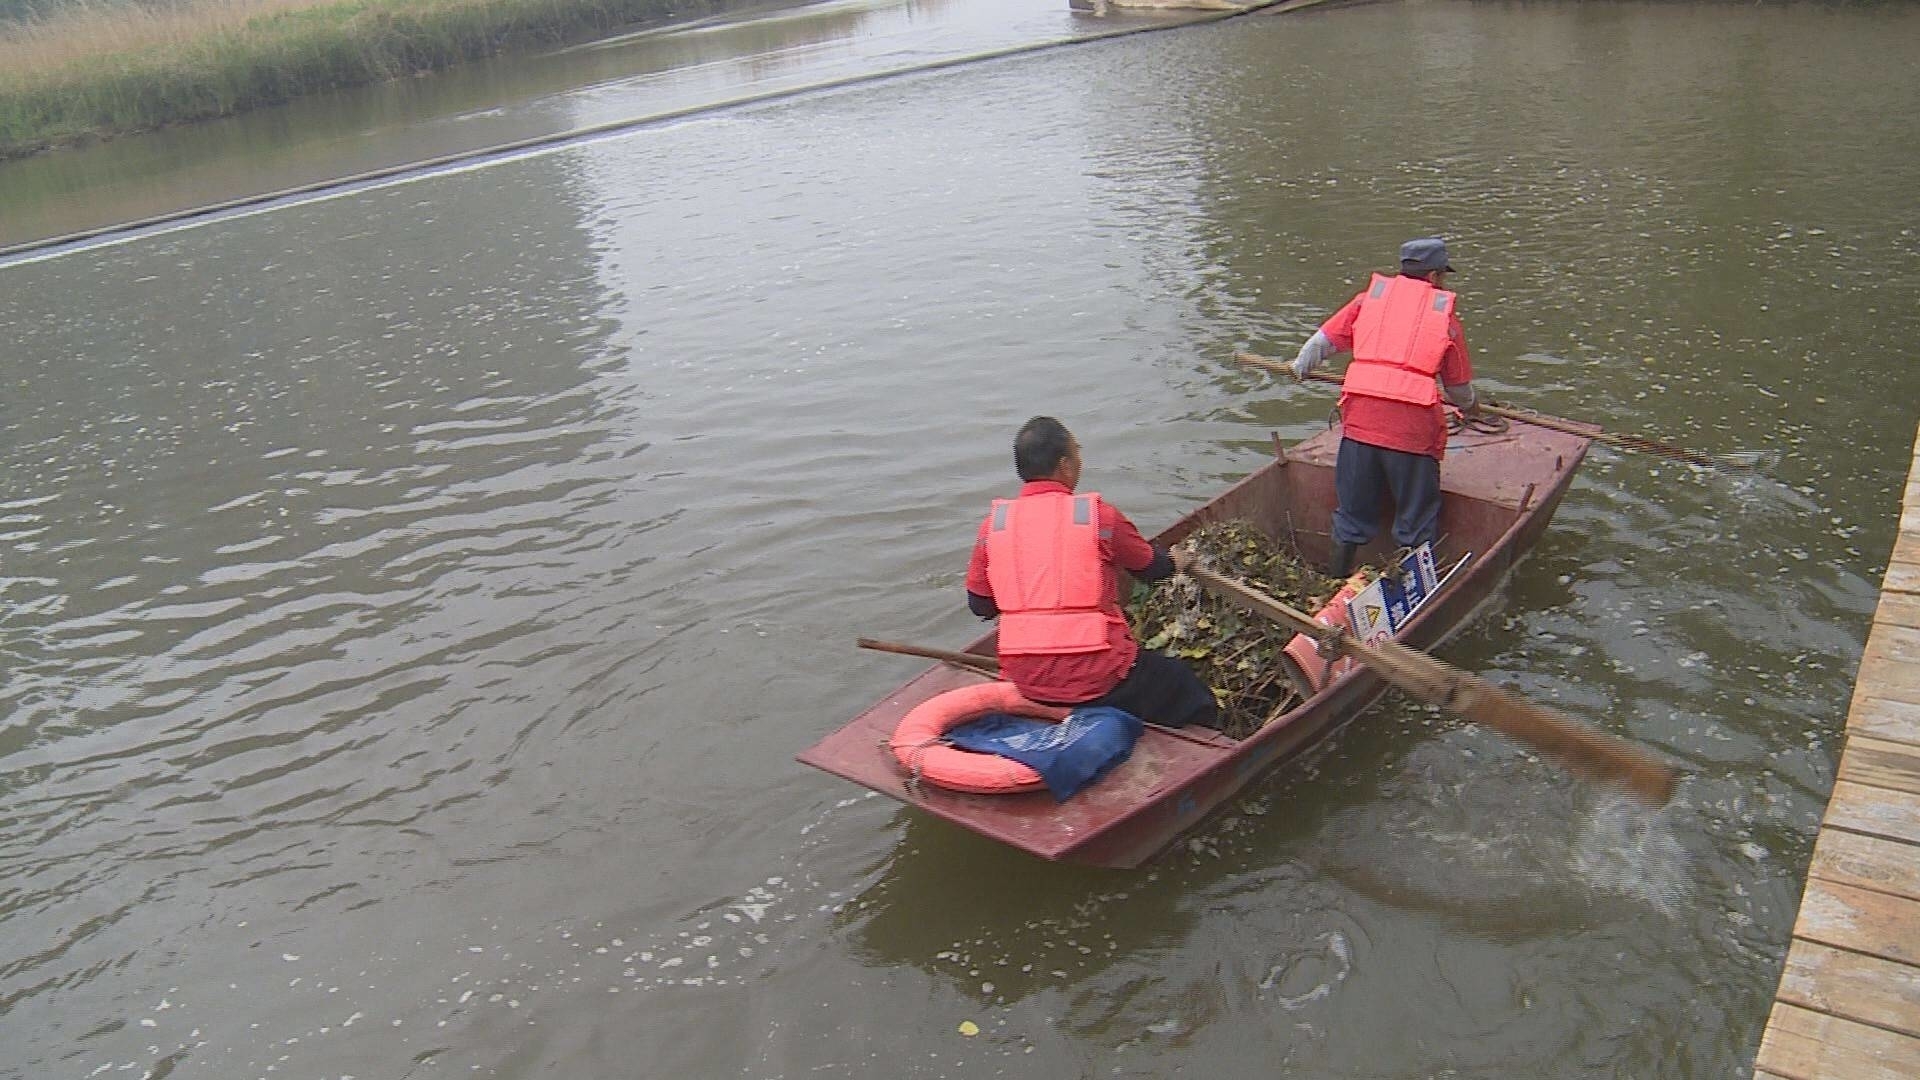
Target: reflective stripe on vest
1047, 576
1399, 338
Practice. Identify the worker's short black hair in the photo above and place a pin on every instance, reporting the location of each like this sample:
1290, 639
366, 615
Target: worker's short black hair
1043, 443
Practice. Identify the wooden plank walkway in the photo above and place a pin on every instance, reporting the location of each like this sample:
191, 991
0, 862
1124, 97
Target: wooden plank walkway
1848, 1007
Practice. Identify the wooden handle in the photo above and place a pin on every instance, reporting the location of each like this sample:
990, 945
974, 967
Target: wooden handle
987, 664
1573, 744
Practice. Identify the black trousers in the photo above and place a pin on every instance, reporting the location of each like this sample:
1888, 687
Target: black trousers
1364, 475
1163, 690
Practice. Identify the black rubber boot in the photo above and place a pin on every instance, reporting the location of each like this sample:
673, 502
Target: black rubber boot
1342, 562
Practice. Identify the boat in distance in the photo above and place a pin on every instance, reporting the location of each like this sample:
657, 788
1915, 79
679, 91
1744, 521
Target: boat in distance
1499, 493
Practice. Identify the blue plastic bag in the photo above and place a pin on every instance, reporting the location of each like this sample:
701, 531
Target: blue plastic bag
1068, 755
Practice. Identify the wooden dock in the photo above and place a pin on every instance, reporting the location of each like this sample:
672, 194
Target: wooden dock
1848, 1006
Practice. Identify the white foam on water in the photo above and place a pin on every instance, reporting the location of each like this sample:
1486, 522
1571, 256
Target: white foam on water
1624, 849
1329, 963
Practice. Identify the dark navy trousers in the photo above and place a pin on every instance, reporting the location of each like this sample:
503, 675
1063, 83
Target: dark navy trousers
1364, 475
1159, 689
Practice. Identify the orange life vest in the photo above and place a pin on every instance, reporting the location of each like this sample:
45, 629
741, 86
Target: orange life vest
1049, 582
1399, 339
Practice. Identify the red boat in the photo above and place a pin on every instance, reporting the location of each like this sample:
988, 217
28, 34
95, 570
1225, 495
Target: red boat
1500, 490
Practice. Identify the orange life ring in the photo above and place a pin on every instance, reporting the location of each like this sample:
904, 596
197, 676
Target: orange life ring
917, 747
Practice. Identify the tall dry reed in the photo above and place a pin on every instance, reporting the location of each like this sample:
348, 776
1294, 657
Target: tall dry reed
106, 71
86, 31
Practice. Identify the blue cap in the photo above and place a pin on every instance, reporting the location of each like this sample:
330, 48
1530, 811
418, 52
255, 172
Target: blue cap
1425, 255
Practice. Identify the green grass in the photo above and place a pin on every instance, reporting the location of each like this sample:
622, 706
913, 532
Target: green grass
113, 72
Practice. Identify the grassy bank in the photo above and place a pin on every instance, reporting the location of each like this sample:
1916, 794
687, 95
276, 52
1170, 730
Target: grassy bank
102, 72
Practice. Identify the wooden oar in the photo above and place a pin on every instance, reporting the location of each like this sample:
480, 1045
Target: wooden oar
987, 664
1743, 462
1573, 744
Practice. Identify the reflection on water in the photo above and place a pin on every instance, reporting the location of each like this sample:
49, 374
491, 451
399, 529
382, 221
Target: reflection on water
1599, 855
942, 904
499, 101
410, 603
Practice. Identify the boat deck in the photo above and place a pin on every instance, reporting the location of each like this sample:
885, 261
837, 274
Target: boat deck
1848, 1005
1163, 760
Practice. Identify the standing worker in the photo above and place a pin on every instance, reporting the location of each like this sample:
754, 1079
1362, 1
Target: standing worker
1407, 345
1046, 564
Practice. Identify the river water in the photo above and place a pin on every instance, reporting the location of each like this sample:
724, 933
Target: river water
411, 601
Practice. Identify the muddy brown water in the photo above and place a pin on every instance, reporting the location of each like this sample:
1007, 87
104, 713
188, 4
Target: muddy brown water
411, 601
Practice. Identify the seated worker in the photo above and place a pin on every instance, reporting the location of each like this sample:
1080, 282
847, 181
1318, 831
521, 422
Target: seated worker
1047, 564
1407, 344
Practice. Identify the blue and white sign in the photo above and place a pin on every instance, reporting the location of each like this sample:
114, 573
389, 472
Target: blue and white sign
1382, 608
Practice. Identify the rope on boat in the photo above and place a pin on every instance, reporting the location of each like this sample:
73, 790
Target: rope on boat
1484, 423
916, 762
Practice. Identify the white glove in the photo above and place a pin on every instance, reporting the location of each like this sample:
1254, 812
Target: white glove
1312, 353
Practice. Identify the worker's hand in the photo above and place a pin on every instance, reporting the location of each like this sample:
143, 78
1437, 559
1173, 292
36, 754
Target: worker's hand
1316, 349
1182, 558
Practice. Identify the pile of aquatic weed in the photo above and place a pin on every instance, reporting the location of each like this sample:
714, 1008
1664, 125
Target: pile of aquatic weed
115, 70
1235, 652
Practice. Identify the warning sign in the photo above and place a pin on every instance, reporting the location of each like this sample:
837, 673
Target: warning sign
1385, 606
1369, 615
